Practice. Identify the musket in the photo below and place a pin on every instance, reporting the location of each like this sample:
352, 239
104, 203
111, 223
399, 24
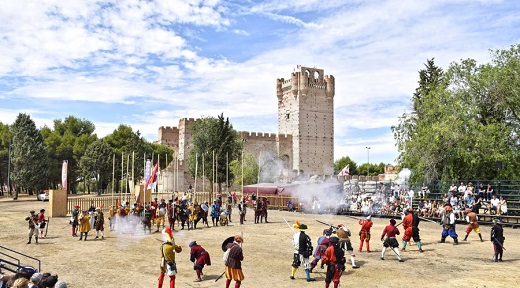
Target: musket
428, 220
330, 225
294, 232
353, 217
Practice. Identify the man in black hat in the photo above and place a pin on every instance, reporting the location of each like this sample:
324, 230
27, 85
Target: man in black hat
497, 238
302, 251
32, 219
334, 257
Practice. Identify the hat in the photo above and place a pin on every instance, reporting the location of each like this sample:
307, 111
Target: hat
497, 221
369, 217
302, 227
36, 277
192, 243
167, 234
42, 210
61, 284
410, 210
76, 206
392, 221
447, 208
327, 232
334, 239
98, 208
32, 211
239, 239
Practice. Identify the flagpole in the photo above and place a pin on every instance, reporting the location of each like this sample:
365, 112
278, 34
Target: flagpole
227, 173
165, 168
203, 174
113, 174
122, 164
159, 170
126, 176
242, 173
133, 170
196, 174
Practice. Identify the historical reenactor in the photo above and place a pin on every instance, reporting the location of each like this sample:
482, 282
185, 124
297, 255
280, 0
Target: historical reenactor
32, 220
497, 237
215, 212
334, 258
234, 260
112, 212
99, 223
302, 251
229, 209
345, 244
204, 211
194, 215
407, 226
472, 219
154, 207
242, 211
265, 202
185, 214
41, 223
323, 244
364, 233
390, 232
415, 229
91, 212
161, 214
199, 257
74, 220
84, 225
147, 219
168, 265
448, 225
171, 214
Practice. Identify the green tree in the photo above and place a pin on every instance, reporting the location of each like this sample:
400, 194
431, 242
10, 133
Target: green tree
343, 162
463, 123
129, 144
4, 158
67, 141
30, 167
214, 136
96, 164
250, 169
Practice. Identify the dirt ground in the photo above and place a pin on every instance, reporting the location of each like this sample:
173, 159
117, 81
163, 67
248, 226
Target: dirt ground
125, 260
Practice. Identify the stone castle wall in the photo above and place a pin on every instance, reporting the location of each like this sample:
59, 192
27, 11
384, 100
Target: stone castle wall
305, 138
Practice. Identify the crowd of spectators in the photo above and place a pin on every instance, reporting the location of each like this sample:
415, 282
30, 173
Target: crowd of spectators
394, 199
28, 277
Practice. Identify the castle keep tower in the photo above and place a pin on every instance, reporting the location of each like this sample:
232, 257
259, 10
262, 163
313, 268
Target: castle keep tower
306, 111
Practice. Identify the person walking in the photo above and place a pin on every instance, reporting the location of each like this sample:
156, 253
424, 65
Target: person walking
234, 260
168, 265
84, 225
302, 251
32, 220
390, 232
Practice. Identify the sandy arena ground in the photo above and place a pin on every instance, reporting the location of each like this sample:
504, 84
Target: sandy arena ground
124, 260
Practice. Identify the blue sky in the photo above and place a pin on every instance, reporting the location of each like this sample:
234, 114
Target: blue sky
148, 63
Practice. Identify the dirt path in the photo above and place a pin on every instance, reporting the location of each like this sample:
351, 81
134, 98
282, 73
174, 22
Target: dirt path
123, 260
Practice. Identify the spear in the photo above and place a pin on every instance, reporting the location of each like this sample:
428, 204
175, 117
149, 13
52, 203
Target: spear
294, 232
353, 217
428, 220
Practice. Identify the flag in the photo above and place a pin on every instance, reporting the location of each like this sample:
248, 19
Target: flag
153, 176
345, 171
64, 175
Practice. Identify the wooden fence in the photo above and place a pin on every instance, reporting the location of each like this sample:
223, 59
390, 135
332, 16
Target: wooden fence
276, 202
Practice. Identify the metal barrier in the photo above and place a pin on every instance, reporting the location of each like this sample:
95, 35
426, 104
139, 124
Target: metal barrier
13, 267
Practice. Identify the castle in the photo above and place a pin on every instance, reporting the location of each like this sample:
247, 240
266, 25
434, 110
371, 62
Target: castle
305, 138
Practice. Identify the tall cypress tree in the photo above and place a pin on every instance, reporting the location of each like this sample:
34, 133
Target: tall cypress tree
30, 167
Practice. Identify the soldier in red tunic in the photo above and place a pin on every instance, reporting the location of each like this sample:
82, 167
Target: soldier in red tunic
364, 234
199, 257
390, 231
